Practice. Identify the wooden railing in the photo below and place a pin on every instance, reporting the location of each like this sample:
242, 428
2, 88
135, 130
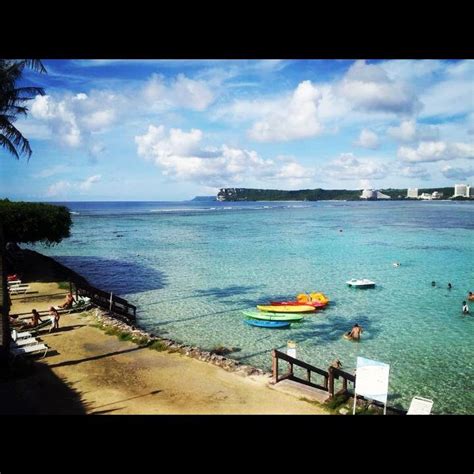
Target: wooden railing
335, 374
330, 376
277, 355
108, 301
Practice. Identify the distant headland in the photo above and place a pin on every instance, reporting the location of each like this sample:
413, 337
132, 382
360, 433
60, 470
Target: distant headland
248, 194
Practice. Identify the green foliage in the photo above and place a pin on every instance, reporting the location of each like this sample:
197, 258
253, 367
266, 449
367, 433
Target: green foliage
63, 285
30, 222
336, 402
12, 103
157, 346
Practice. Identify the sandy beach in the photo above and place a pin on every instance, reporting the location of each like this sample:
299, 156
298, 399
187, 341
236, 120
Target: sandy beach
87, 371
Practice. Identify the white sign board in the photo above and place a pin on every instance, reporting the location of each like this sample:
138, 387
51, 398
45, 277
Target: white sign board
372, 379
420, 406
291, 352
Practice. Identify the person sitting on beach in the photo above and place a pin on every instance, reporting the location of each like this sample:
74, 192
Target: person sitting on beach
470, 296
54, 318
465, 308
68, 303
35, 320
355, 332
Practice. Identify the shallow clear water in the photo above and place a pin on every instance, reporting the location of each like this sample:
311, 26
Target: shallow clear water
191, 268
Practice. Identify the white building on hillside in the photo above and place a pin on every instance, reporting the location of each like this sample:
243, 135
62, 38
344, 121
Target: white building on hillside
412, 193
436, 195
425, 196
372, 194
461, 190
368, 194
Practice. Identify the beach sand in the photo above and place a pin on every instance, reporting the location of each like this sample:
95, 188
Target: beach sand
88, 371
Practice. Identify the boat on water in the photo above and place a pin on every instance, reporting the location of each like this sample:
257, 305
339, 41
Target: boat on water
267, 324
312, 297
287, 309
273, 316
361, 283
314, 304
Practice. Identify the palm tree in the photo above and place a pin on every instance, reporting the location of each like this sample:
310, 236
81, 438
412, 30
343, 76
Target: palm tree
12, 103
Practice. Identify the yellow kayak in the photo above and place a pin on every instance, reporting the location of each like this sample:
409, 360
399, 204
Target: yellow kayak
305, 298
287, 309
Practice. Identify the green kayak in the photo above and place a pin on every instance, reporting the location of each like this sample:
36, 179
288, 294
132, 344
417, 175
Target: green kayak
273, 316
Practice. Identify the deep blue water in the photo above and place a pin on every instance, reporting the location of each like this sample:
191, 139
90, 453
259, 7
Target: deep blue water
192, 267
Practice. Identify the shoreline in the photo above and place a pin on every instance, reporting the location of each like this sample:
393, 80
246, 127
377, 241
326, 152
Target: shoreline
120, 323
86, 368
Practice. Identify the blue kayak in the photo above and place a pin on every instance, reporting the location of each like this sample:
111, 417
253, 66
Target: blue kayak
267, 324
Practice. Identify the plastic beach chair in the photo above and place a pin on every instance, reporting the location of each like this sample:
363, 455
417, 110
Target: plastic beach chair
420, 406
29, 350
20, 335
27, 341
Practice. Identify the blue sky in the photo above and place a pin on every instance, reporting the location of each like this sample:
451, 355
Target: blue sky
174, 129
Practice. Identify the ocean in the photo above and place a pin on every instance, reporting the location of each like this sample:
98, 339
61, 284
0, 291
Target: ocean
192, 267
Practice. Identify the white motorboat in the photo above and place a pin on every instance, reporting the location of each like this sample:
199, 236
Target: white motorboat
361, 283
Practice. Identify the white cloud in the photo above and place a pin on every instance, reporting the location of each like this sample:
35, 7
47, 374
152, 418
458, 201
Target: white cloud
436, 151
87, 183
410, 69
62, 188
53, 170
368, 139
348, 167
181, 156
409, 131
457, 173
454, 95
297, 117
414, 172
73, 119
369, 88
182, 92
59, 188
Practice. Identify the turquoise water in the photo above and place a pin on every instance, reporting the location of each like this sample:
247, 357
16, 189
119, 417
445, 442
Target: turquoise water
191, 268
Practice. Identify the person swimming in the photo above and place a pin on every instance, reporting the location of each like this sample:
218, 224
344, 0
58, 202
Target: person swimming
433, 283
470, 296
396, 264
354, 333
449, 286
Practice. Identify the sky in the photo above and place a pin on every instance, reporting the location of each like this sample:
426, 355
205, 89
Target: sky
118, 130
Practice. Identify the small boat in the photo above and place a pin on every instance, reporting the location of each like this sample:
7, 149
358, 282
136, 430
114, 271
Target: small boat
361, 283
267, 324
314, 304
287, 309
307, 299
273, 316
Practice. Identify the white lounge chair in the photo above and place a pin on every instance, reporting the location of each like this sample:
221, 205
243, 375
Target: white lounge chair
18, 290
26, 341
20, 335
420, 406
29, 350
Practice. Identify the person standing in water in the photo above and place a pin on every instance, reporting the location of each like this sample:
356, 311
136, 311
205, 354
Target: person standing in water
465, 308
433, 283
355, 332
449, 286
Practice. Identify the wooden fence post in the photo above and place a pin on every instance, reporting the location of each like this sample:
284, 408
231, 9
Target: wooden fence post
274, 366
330, 382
